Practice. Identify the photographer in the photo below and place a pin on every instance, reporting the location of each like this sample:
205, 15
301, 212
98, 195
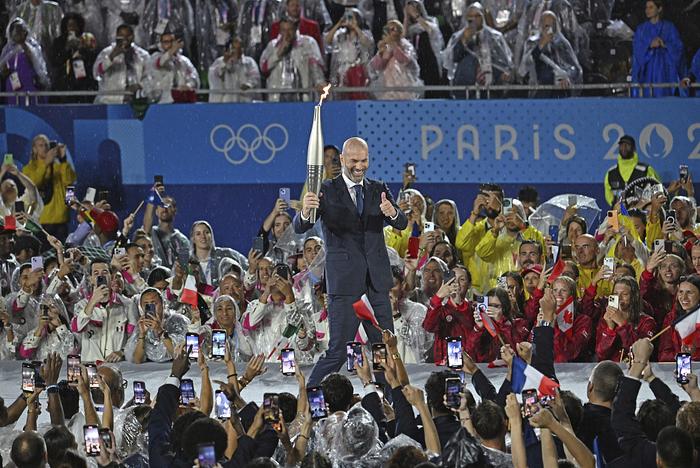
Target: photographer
51, 172
234, 71
72, 58
51, 335
351, 44
170, 73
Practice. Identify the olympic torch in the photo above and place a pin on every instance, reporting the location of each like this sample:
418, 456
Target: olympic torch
314, 153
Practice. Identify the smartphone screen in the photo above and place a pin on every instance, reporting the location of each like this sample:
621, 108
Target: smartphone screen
38, 379
91, 434
507, 205
354, 353
271, 407
206, 455
683, 367
609, 262
106, 437
453, 386
378, 356
27, 377
317, 403
19, 206
530, 402
70, 194
139, 392
223, 407
93, 378
289, 365
186, 391
218, 344
566, 251
454, 352
9, 159
73, 368
192, 340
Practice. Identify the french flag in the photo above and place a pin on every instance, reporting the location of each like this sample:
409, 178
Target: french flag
526, 377
687, 326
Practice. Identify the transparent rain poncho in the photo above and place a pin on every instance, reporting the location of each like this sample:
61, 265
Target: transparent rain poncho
11, 52
551, 212
232, 76
399, 69
167, 72
124, 71
214, 21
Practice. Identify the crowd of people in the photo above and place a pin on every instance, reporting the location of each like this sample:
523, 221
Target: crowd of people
620, 288
163, 51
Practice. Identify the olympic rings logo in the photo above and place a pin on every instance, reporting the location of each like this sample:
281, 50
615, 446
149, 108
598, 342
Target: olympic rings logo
248, 139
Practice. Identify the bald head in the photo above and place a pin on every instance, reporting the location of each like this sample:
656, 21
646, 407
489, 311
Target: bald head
355, 144
29, 450
603, 382
113, 378
355, 159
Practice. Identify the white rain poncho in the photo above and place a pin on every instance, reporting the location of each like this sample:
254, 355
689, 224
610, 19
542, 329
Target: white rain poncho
437, 42
240, 344
397, 66
214, 21
118, 12
233, 75
558, 55
167, 72
126, 70
175, 16
254, 24
506, 13
61, 340
413, 341
529, 25
487, 52
301, 67
12, 51
350, 51
313, 316
24, 314
174, 324
44, 21
264, 326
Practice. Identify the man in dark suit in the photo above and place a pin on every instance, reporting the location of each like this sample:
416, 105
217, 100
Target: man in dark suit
354, 210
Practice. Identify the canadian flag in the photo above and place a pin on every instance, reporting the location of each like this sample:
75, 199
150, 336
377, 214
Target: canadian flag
687, 326
565, 316
364, 311
189, 292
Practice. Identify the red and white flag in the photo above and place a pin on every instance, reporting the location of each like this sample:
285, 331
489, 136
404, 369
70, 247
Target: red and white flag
565, 316
557, 270
364, 311
189, 292
486, 319
687, 326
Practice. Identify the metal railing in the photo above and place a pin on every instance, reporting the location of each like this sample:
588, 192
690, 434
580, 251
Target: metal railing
469, 92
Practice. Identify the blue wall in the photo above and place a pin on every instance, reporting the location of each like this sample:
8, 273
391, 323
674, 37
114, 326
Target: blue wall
226, 162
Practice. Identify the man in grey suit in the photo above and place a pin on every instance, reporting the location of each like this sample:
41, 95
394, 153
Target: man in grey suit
354, 210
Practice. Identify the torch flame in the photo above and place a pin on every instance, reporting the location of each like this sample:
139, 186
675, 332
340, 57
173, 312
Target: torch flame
324, 95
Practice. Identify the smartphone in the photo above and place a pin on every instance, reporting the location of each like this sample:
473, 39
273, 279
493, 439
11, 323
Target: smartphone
101, 280
223, 407
93, 377
283, 271
483, 300
73, 368
609, 262
413, 247
428, 227
259, 244
378, 356
157, 180
448, 276
119, 251
354, 353
27, 377
348, 16
453, 387
38, 263
271, 407
682, 173
218, 344
19, 206
573, 199
186, 391
91, 433
192, 340
507, 205
658, 245
139, 392
9, 159
289, 364
103, 195
70, 194
285, 193
530, 403
502, 282
668, 246
410, 167
206, 455
105, 436
671, 216
657, 189
317, 403
90, 194
150, 310
44, 311
565, 251
38, 379
554, 232
613, 221
454, 352
614, 301
683, 367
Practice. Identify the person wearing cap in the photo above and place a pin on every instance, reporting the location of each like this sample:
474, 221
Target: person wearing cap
531, 277
627, 170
